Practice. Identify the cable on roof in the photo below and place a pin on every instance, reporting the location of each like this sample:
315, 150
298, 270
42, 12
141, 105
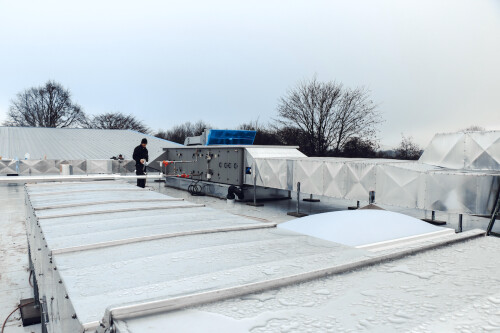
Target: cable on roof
196, 189
10, 314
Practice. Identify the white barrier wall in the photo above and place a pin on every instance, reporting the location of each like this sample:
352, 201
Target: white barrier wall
398, 183
464, 150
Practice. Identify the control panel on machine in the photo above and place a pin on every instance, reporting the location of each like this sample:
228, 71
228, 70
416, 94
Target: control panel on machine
218, 164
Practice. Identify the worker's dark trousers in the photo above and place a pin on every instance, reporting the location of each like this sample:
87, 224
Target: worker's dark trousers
139, 171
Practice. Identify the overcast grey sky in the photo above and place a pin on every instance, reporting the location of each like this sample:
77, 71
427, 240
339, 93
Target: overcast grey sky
432, 65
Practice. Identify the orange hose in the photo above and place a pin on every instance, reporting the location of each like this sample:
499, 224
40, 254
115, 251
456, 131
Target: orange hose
10, 314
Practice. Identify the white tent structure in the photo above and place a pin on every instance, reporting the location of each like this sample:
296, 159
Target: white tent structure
74, 143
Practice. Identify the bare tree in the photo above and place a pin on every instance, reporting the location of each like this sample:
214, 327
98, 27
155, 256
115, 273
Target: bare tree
328, 115
252, 125
179, 133
197, 128
356, 116
473, 128
408, 150
117, 120
357, 147
162, 134
46, 106
265, 135
293, 136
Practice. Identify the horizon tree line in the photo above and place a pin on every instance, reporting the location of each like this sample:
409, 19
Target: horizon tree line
321, 118
50, 105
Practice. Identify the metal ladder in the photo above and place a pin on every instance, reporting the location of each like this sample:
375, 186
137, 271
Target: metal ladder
496, 211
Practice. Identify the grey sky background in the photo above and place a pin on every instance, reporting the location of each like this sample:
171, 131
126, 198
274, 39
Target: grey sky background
432, 65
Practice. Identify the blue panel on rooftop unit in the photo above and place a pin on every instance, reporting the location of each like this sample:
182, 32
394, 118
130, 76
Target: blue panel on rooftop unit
230, 137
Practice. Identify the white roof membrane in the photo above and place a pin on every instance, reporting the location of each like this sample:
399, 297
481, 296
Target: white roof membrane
360, 227
125, 259
115, 254
449, 289
74, 143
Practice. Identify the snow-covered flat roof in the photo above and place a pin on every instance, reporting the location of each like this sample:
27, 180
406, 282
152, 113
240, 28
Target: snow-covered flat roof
115, 245
449, 289
116, 252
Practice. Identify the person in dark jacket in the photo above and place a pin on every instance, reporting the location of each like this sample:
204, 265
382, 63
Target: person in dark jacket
140, 157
